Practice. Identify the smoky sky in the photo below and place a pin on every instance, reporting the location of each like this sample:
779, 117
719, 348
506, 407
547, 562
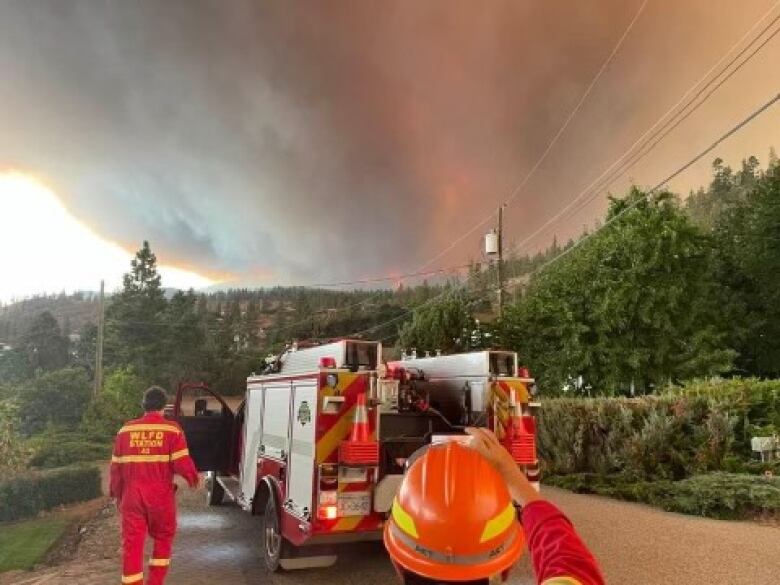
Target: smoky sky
323, 140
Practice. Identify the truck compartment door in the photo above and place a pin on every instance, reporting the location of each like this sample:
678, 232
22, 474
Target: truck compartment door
301, 482
276, 421
208, 425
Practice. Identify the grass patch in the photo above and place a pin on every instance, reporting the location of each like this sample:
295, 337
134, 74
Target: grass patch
24, 544
726, 496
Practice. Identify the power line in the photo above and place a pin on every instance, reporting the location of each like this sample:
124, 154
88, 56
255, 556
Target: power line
642, 152
659, 185
628, 159
615, 217
519, 188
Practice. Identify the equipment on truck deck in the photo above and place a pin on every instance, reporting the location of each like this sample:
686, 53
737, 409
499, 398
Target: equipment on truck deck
482, 388
322, 439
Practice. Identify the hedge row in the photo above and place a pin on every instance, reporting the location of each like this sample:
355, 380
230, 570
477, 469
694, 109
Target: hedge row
650, 437
62, 453
27, 495
697, 428
726, 496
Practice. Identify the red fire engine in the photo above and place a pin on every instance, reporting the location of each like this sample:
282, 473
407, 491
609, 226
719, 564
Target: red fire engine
319, 444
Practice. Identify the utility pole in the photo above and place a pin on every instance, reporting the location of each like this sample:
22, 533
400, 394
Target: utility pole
100, 331
500, 267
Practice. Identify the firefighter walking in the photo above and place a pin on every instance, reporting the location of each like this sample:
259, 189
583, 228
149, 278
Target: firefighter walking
148, 452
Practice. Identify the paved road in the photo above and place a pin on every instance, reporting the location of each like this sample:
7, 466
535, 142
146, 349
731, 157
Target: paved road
634, 543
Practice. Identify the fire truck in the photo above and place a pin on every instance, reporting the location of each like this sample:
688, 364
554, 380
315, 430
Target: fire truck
321, 440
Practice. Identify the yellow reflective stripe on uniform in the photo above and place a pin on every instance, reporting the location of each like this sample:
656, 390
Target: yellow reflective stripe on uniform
132, 578
561, 581
499, 524
403, 520
159, 562
141, 459
142, 427
179, 454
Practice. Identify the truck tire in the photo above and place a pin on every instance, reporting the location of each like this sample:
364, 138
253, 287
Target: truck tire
275, 547
215, 493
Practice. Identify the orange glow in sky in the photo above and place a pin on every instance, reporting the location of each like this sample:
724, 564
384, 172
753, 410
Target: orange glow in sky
43, 248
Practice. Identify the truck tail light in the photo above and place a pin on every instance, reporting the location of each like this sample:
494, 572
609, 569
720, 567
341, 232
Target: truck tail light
328, 495
328, 512
327, 507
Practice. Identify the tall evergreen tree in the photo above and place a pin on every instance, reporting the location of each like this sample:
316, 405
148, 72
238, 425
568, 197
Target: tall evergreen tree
135, 319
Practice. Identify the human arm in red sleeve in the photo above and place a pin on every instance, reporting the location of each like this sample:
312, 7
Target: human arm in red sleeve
559, 556
556, 549
182, 462
115, 481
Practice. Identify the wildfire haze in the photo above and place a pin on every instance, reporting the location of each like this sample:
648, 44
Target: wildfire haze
286, 142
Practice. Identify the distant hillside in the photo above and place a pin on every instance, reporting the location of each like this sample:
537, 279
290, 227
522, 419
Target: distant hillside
71, 311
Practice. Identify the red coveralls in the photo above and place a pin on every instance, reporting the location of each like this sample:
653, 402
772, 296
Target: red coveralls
559, 556
147, 453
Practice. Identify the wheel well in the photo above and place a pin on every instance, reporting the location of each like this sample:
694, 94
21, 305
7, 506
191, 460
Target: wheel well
262, 493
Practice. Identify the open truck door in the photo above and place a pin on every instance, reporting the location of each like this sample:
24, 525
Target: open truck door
208, 422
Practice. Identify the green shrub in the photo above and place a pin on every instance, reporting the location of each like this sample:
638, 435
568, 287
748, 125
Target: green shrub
699, 427
650, 437
68, 452
753, 404
27, 495
119, 402
728, 496
734, 464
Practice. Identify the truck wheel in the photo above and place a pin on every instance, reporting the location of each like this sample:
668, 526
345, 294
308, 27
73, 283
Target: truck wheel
215, 493
274, 544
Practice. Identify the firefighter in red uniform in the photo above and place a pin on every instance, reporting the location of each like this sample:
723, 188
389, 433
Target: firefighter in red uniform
147, 453
453, 521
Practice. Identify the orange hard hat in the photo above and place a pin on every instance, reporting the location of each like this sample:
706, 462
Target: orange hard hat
453, 518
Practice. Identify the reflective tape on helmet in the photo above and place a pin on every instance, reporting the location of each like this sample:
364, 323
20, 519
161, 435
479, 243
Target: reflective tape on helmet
499, 524
452, 559
403, 520
561, 581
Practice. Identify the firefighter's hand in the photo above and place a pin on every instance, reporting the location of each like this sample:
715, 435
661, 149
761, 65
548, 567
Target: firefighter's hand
196, 484
486, 443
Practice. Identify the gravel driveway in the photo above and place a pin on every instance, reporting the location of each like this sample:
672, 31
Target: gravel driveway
635, 544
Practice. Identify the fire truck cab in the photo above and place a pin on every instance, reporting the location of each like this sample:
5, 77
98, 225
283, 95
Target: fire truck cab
319, 444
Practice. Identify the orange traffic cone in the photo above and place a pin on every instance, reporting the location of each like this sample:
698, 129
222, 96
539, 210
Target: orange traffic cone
359, 449
520, 435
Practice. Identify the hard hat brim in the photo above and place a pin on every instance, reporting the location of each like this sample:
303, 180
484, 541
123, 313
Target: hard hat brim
422, 565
